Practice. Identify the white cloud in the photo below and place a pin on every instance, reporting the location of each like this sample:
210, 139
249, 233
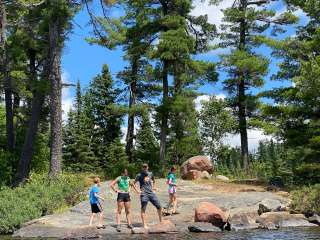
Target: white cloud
204, 98
254, 137
67, 99
214, 12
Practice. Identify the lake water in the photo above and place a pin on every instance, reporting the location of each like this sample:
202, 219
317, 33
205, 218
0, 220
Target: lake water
283, 234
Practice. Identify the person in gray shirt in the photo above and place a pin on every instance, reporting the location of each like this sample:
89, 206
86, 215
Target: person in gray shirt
146, 181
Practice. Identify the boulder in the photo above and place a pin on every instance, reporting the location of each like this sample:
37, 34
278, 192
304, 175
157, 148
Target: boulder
315, 219
199, 163
193, 175
244, 221
271, 205
210, 213
139, 230
82, 232
283, 219
205, 175
202, 227
165, 226
222, 178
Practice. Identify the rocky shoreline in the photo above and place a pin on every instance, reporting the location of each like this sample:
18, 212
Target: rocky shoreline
247, 207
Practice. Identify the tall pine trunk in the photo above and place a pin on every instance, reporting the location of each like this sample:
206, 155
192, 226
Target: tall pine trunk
9, 106
242, 95
23, 169
131, 116
55, 97
178, 125
164, 114
6, 79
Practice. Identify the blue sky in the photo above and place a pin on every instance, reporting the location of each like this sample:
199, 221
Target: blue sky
83, 61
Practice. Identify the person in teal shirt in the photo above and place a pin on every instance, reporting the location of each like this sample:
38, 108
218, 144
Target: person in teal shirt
172, 183
123, 200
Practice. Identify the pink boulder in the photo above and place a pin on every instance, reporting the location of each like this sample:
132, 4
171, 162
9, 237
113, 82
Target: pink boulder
193, 175
199, 163
208, 212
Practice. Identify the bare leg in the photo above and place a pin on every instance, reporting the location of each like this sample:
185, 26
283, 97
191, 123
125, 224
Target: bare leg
92, 218
101, 218
143, 218
119, 210
127, 206
160, 214
170, 202
175, 202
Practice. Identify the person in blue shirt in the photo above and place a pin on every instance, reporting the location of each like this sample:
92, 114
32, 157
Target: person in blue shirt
96, 207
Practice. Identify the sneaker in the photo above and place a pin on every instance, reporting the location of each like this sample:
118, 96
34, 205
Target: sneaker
118, 228
130, 226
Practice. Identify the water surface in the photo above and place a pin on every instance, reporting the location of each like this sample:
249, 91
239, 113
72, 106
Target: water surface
283, 234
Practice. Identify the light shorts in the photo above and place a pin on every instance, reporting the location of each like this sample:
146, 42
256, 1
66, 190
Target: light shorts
172, 189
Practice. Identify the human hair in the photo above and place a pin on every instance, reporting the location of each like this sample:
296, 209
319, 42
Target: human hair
173, 168
96, 180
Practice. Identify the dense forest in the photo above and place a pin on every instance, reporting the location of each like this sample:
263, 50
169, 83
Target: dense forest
153, 97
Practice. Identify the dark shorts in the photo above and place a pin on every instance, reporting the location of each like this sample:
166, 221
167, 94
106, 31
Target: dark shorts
146, 197
96, 208
123, 197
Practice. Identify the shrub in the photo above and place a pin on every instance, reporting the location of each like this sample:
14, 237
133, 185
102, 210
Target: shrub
307, 173
307, 199
37, 198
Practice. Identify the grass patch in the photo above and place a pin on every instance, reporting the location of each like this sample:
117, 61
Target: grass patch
306, 199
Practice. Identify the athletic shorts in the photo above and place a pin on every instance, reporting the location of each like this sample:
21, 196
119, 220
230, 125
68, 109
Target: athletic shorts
172, 189
146, 197
96, 208
123, 197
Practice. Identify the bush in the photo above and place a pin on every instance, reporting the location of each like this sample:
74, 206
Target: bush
37, 198
307, 173
307, 200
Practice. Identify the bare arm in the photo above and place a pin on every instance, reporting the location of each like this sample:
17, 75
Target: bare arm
112, 185
135, 187
98, 196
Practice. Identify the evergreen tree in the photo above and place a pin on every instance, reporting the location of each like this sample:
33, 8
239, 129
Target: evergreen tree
77, 151
242, 24
147, 147
100, 105
296, 113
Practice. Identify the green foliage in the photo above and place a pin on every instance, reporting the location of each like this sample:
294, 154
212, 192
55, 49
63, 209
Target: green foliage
307, 173
184, 140
38, 198
92, 132
147, 147
306, 199
216, 121
7, 171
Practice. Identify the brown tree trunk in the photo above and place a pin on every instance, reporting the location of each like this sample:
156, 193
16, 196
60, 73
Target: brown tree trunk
6, 79
131, 115
242, 95
9, 108
55, 97
164, 114
23, 169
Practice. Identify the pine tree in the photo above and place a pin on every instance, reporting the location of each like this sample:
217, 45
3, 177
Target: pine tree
147, 147
242, 24
77, 151
296, 113
100, 105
